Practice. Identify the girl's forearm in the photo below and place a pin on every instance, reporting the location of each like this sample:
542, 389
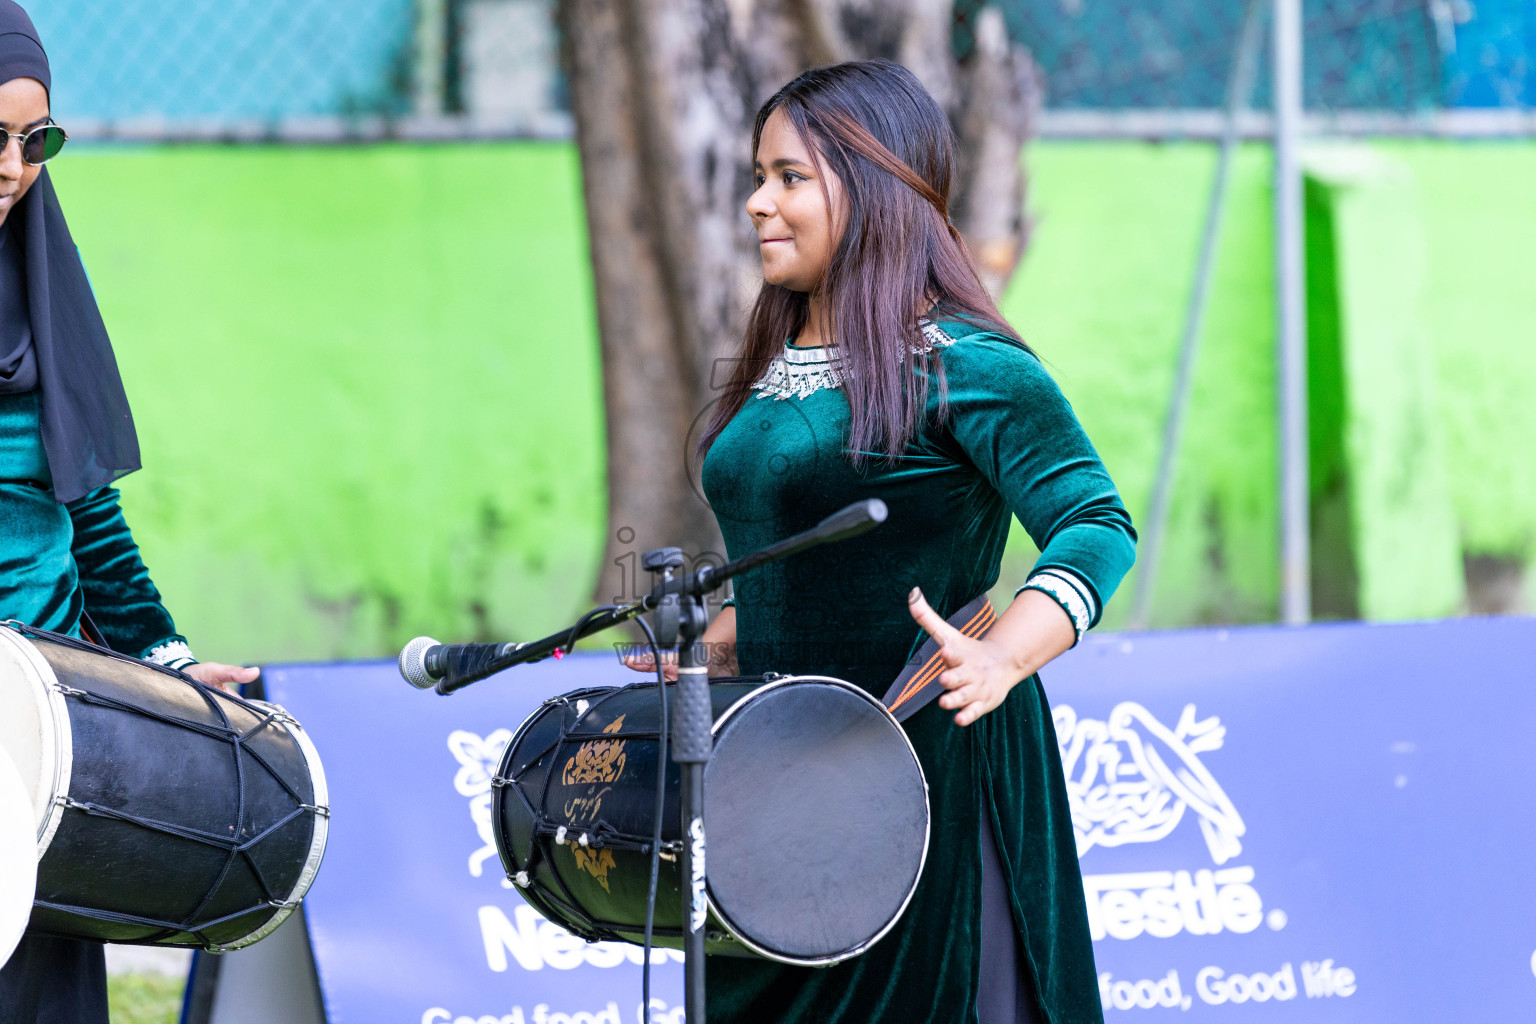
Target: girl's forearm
720, 642
1033, 631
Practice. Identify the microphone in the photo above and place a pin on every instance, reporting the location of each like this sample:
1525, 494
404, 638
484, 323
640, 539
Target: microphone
424, 661
851, 521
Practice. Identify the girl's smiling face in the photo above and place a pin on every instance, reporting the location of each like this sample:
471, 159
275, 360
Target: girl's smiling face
793, 208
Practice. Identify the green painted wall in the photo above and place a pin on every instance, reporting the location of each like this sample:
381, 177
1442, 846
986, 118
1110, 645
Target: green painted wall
367, 381
1427, 310
1377, 435
1478, 206
366, 385
1102, 296
1422, 291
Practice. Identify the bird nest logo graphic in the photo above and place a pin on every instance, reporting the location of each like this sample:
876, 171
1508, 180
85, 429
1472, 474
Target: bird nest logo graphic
478, 757
1130, 778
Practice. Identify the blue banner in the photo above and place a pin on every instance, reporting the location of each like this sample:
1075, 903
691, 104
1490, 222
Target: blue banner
1321, 824
411, 918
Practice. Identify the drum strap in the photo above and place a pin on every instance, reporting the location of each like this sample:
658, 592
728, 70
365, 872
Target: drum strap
92, 647
919, 681
91, 634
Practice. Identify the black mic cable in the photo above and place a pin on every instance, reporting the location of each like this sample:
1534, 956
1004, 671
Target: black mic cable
661, 798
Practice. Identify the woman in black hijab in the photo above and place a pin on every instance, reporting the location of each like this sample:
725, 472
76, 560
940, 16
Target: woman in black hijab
67, 560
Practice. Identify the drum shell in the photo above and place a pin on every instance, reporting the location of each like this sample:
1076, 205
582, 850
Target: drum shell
136, 845
529, 757
562, 884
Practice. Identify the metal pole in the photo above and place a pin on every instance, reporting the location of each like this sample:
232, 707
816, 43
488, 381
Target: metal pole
692, 742
1245, 60
431, 47
1290, 269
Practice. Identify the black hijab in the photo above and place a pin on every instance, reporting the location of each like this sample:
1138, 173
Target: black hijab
86, 424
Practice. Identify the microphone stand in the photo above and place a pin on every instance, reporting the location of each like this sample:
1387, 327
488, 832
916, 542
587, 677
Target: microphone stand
679, 620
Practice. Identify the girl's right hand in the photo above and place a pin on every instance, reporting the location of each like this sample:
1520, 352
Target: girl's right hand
719, 640
645, 661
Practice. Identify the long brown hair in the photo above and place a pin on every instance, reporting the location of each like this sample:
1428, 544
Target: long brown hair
873, 125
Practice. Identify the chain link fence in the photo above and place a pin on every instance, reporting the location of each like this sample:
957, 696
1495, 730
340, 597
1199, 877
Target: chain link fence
151, 69
303, 69
1125, 54
227, 59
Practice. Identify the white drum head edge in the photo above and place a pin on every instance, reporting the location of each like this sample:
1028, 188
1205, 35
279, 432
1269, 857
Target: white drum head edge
51, 777
18, 858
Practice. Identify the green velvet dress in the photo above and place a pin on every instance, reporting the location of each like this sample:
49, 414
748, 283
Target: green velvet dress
1010, 445
59, 560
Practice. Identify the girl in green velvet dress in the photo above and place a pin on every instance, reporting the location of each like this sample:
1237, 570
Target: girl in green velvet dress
66, 555
900, 380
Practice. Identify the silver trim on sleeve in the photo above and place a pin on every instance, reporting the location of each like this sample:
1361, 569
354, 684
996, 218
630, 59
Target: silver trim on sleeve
175, 654
1070, 591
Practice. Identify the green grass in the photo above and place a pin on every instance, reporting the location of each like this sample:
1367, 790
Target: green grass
145, 998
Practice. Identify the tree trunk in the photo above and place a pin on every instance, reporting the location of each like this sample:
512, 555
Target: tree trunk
664, 92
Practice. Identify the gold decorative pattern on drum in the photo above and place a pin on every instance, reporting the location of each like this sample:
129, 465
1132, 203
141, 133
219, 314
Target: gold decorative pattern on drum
595, 763
595, 863
596, 760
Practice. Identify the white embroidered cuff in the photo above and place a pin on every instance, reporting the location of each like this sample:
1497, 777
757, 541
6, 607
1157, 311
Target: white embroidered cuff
175, 654
1070, 592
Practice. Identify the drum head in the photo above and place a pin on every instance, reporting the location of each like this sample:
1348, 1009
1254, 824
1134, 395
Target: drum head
18, 858
817, 818
34, 729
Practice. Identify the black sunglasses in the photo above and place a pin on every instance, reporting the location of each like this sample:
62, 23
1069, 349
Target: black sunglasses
38, 145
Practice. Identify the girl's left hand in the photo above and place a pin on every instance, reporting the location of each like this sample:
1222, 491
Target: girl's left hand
980, 672
211, 673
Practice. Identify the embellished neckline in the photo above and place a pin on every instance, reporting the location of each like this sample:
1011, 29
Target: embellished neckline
799, 372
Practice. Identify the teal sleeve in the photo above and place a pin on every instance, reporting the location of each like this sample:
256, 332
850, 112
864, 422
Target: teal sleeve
119, 596
1013, 423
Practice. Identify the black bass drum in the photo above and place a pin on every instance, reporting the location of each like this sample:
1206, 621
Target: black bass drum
815, 813
166, 813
